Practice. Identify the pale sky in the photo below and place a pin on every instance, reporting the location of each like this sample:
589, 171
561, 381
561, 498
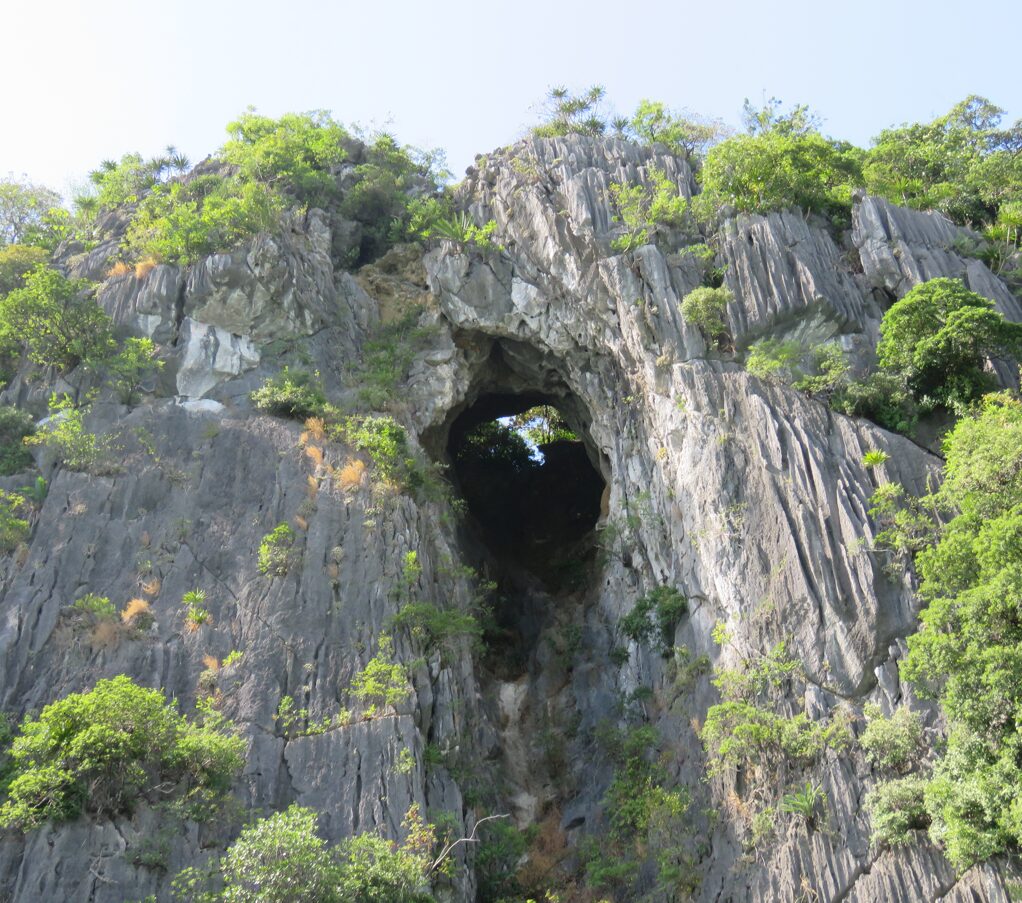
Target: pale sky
91, 79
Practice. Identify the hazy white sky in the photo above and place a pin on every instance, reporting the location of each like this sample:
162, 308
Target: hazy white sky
90, 79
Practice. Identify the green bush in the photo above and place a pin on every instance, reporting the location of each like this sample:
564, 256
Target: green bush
64, 432
291, 393
643, 210
937, 339
281, 859
572, 114
684, 134
775, 171
100, 607
55, 323
104, 750
966, 653
820, 370
277, 552
297, 151
382, 681
893, 743
16, 262
185, 221
14, 527
804, 803
704, 308
881, 397
438, 628
131, 366
897, 808
383, 439
656, 614
15, 425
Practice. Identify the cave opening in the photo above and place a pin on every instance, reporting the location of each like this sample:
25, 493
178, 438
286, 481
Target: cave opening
530, 488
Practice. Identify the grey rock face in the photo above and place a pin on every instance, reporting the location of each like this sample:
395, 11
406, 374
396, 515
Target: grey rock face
750, 499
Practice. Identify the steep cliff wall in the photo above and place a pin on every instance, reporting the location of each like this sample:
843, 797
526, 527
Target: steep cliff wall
750, 499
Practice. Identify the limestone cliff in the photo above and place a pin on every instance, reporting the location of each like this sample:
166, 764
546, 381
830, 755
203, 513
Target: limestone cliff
751, 499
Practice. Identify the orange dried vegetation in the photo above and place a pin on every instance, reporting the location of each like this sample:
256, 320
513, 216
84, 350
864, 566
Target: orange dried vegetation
118, 269
352, 473
151, 587
135, 610
211, 663
144, 267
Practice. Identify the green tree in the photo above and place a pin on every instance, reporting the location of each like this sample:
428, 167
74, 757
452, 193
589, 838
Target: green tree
55, 322
644, 210
705, 308
103, 750
961, 163
23, 212
15, 425
16, 262
131, 366
573, 114
778, 169
682, 133
967, 650
295, 152
938, 338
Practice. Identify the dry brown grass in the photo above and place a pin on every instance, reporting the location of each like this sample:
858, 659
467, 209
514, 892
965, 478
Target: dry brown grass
119, 269
312, 484
106, 635
137, 613
315, 428
545, 852
144, 267
211, 663
315, 454
151, 587
351, 475
301, 523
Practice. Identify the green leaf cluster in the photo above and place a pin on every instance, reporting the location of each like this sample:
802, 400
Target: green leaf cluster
656, 614
644, 210
291, 393
15, 426
105, 750
282, 859
64, 433
382, 681
704, 307
276, 551
967, 651
892, 743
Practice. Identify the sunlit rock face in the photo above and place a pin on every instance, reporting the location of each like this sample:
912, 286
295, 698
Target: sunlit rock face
750, 499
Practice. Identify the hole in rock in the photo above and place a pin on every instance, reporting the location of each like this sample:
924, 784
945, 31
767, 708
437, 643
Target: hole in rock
531, 490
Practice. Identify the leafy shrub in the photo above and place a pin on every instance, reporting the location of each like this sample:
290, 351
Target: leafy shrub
804, 803
875, 457
681, 133
643, 210
276, 551
103, 750
290, 393
382, 681
656, 613
100, 607
55, 323
14, 528
774, 171
24, 210
383, 439
197, 614
16, 262
960, 163
896, 809
129, 368
298, 151
937, 339
386, 358
881, 397
704, 308
893, 742
281, 859
572, 114
185, 221
966, 651
437, 628
817, 370
15, 425
65, 434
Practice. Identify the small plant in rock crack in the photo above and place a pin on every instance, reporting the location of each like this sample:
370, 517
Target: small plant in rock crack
197, 613
276, 551
804, 803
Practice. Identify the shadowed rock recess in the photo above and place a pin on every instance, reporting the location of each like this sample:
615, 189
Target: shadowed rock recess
748, 499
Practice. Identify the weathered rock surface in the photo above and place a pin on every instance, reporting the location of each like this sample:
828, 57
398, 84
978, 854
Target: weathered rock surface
751, 499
